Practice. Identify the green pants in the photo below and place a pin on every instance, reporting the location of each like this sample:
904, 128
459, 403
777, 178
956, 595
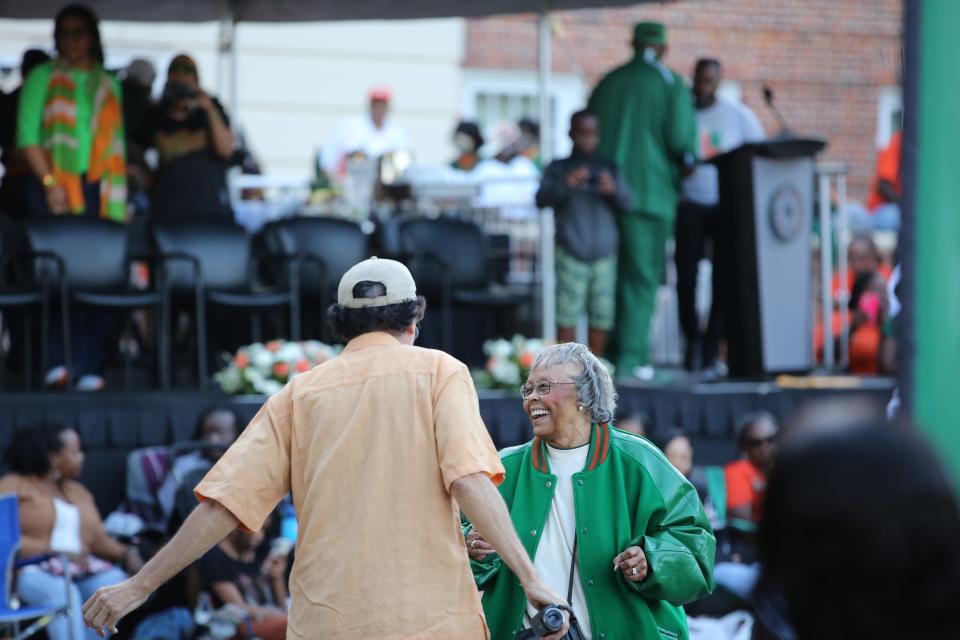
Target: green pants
643, 239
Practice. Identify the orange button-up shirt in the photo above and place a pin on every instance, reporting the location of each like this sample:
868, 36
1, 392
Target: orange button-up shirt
369, 444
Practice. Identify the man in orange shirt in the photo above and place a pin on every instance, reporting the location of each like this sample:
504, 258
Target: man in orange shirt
378, 448
747, 478
884, 200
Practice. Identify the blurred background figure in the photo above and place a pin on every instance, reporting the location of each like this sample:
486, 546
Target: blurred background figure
371, 135
468, 140
587, 193
530, 130
77, 161
236, 572
58, 516
217, 425
191, 133
70, 130
137, 88
677, 447
16, 169
747, 477
722, 125
634, 422
859, 536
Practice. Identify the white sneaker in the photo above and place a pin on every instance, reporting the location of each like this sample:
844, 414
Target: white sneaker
56, 377
90, 382
644, 373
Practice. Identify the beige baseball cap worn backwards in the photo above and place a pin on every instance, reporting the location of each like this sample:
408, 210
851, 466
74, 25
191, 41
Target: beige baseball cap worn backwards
393, 275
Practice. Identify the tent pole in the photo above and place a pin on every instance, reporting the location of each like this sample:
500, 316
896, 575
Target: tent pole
228, 60
548, 272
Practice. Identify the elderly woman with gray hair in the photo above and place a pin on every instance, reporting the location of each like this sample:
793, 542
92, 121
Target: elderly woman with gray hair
598, 503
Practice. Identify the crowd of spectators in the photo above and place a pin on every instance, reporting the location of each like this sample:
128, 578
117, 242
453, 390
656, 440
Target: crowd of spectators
243, 579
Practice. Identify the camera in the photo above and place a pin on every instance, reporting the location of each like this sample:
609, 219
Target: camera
174, 92
548, 620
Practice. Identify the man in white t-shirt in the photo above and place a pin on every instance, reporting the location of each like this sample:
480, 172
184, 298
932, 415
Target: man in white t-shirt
722, 125
372, 135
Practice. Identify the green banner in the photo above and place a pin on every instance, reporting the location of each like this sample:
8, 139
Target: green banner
936, 225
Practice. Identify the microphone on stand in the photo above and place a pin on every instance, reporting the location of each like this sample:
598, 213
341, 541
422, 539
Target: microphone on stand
768, 98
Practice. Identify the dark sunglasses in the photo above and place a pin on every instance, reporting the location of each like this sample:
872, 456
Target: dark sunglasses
756, 442
542, 388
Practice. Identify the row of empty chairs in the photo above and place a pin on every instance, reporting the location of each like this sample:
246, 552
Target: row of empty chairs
293, 265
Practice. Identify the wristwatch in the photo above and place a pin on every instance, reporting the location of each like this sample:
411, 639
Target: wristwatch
48, 180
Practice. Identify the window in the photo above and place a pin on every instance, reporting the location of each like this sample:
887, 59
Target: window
493, 96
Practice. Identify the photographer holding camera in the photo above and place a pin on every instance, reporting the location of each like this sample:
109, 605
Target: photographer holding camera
191, 133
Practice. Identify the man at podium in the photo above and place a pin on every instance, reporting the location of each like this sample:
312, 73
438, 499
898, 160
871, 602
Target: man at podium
722, 125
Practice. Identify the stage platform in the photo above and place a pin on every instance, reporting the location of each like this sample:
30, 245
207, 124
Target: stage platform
113, 424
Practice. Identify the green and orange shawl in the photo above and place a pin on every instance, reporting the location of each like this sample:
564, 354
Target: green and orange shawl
107, 162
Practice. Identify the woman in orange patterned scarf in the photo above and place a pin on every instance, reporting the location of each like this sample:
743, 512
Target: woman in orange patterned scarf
70, 125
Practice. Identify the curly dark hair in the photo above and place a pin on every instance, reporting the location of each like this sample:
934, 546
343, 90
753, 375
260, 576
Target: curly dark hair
346, 323
859, 536
89, 18
29, 451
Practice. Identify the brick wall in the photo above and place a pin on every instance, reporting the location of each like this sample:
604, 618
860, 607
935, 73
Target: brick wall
825, 59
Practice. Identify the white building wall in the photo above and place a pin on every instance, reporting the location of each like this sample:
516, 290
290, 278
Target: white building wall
296, 81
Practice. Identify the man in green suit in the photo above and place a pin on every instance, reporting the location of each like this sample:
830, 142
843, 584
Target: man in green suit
648, 128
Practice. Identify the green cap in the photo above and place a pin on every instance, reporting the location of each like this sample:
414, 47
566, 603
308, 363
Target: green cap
650, 33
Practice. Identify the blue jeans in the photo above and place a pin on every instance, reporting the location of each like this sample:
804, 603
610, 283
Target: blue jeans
38, 588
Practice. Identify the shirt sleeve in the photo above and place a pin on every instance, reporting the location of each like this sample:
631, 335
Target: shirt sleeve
30, 109
464, 446
254, 473
752, 129
739, 491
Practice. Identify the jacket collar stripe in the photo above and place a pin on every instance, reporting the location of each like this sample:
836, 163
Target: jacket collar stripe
536, 451
606, 443
596, 446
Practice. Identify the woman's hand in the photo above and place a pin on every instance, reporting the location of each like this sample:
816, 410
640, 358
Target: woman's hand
204, 101
477, 547
56, 199
632, 563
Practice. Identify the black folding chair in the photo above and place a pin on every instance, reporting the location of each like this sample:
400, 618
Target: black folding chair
327, 247
210, 263
449, 261
85, 260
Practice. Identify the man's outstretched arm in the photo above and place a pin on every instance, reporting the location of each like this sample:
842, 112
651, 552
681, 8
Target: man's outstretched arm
206, 526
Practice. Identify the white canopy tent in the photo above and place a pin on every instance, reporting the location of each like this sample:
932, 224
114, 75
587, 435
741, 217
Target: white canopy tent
229, 12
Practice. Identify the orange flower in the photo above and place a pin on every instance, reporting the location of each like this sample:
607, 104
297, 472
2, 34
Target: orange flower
526, 359
241, 360
303, 365
273, 345
281, 370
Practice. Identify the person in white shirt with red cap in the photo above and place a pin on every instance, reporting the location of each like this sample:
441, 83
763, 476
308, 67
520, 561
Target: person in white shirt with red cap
371, 135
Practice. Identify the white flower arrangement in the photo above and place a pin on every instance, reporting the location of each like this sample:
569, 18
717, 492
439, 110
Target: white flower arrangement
263, 368
508, 362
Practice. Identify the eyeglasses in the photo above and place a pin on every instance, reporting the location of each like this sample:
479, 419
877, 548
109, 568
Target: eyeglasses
542, 388
757, 442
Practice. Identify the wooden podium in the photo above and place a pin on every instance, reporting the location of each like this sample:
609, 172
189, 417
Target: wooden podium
762, 255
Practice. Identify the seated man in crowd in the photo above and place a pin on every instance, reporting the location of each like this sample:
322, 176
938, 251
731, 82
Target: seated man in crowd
747, 477
234, 574
217, 425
